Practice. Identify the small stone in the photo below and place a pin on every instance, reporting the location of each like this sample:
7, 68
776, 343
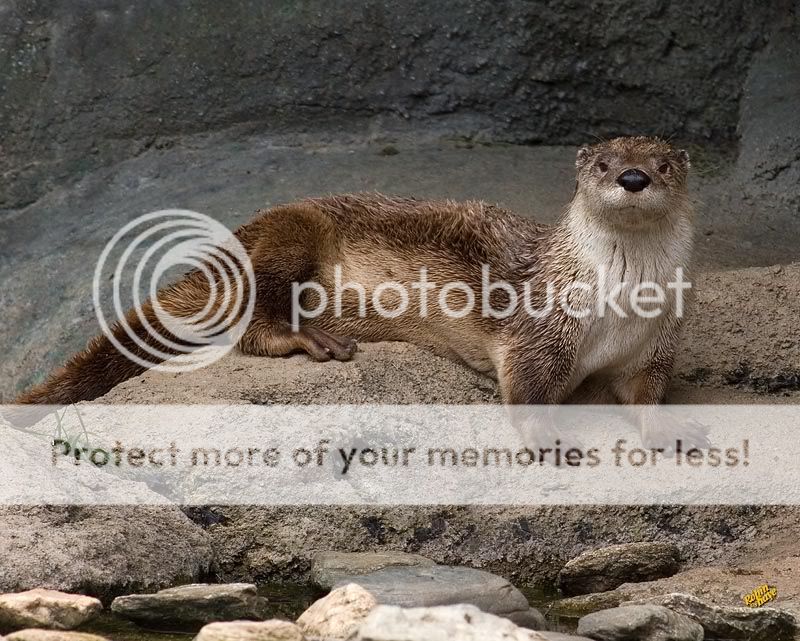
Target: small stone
46, 609
531, 619
639, 623
609, 567
330, 568
389, 150
193, 605
339, 614
272, 630
420, 587
729, 622
583, 604
36, 634
443, 623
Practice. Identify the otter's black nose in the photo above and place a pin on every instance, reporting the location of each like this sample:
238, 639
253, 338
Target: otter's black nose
633, 180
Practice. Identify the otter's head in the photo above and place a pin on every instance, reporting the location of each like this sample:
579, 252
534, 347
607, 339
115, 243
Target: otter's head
632, 181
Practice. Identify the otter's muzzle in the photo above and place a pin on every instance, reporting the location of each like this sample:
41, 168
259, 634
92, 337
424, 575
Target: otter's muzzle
633, 180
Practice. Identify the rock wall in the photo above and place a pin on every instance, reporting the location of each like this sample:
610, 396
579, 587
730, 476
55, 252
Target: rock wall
84, 84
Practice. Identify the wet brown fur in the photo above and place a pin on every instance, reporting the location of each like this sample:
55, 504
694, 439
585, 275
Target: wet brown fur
378, 238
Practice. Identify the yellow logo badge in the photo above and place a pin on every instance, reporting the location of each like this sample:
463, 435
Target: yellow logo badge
761, 595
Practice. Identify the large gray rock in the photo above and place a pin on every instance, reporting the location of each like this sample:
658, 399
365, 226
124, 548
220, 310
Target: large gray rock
330, 568
639, 623
609, 567
444, 623
732, 623
46, 609
272, 630
416, 587
99, 551
187, 606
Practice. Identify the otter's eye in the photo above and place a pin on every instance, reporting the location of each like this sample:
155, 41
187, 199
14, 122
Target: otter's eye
663, 169
602, 166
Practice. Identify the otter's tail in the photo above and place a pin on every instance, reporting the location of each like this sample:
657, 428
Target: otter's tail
101, 365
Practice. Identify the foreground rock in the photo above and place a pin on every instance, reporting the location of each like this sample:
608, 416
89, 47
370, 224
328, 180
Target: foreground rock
608, 568
101, 551
455, 622
442, 585
732, 623
330, 568
339, 614
640, 623
272, 630
34, 634
192, 605
46, 609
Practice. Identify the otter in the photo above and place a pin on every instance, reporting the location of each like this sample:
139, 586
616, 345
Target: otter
630, 219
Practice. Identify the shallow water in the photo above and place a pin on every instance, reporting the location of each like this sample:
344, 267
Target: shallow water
541, 599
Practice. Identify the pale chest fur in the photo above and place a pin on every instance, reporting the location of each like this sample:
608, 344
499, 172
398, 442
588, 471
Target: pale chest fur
622, 329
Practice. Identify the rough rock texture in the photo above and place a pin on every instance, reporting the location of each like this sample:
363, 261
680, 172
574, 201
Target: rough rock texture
35, 634
99, 551
732, 623
770, 559
522, 544
46, 609
272, 630
456, 622
330, 568
84, 84
742, 342
379, 373
415, 587
609, 567
639, 623
339, 614
192, 605
768, 168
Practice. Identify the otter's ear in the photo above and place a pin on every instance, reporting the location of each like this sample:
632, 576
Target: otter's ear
683, 158
584, 155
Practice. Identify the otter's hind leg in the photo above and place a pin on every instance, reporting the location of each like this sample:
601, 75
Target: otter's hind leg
265, 337
288, 244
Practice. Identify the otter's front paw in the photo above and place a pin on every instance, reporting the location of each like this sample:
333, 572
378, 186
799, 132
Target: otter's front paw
668, 433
